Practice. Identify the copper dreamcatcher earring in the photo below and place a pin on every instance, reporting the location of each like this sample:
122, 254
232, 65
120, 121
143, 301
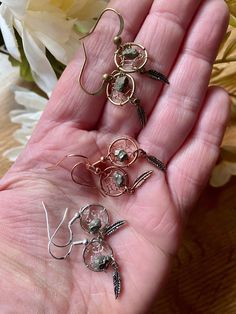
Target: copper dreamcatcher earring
129, 58
112, 168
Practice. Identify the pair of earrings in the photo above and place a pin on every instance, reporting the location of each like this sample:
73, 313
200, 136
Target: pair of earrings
111, 168
120, 85
97, 253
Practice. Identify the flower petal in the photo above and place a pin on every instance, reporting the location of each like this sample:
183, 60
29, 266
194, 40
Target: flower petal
16, 112
18, 7
6, 25
54, 25
13, 153
23, 135
42, 71
29, 99
83, 26
63, 52
86, 9
27, 118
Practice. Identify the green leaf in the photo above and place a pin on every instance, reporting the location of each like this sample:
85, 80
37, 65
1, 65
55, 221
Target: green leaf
57, 66
14, 62
81, 27
25, 71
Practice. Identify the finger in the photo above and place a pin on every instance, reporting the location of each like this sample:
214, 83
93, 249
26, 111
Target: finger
68, 101
161, 34
190, 168
178, 107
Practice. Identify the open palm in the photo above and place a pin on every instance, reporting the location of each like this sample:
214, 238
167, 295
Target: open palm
186, 121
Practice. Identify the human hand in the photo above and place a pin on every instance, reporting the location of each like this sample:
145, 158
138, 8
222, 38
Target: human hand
186, 122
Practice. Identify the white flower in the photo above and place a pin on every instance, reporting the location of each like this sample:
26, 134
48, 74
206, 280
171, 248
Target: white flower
45, 24
33, 106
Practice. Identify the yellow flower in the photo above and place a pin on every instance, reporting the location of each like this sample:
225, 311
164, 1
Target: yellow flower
232, 8
46, 24
224, 75
222, 173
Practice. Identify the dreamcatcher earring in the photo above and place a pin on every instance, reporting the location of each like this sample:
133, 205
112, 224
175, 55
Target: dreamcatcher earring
97, 254
113, 180
129, 58
124, 151
112, 169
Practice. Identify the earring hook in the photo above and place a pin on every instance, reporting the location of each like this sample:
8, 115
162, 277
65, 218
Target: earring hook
64, 158
105, 78
73, 176
117, 40
70, 242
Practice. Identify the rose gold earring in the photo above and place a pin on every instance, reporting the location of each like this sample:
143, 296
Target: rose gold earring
129, 58
124, 151
111, 169
112, 180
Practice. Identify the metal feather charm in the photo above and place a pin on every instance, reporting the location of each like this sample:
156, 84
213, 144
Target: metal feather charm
141, 179
153, 74
116, 279
114, 227
141, 115
156, 162
140, 111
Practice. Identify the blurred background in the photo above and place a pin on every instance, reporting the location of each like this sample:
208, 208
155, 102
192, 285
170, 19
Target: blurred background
203, 279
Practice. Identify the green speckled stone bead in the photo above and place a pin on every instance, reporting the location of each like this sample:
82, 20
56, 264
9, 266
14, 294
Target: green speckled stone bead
95, 225
121, 83
121, 155
130, 53
101, 262
119, 179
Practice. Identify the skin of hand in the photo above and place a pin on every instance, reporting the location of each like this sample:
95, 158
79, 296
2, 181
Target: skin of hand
186, 122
